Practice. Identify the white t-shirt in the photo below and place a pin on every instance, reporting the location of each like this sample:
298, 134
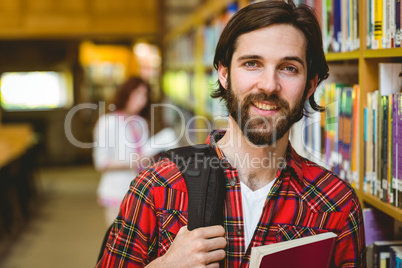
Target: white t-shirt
122, 139
253, 203
119, 139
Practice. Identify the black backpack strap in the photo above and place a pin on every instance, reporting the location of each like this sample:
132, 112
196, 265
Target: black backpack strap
202, 171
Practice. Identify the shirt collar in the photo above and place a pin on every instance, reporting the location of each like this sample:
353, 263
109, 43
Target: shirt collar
212, 140
293, 160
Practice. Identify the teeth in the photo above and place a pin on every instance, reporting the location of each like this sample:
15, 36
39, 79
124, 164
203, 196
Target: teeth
264, 106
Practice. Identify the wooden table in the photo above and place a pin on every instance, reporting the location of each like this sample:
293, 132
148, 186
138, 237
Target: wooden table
15, 140
17, 185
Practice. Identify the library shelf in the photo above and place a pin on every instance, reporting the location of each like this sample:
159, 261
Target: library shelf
188, 67
342, 56
383, 53
389, 209
200, 17
367, 61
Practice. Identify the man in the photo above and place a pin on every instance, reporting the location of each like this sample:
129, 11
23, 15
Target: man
269, 60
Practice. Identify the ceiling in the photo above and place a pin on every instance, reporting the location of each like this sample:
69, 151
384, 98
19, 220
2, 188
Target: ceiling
44, 19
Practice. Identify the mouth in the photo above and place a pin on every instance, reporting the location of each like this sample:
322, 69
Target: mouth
264, 106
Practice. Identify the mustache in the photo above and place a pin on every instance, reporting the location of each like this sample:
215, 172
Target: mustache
272, 99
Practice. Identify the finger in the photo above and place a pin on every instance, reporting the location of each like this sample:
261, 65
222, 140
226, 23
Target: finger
211, 231
215, 256
215, 243
213, 265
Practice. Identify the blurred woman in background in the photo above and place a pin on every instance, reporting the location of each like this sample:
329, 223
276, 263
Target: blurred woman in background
119, 136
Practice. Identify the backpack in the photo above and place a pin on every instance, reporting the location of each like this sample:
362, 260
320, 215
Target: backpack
202, 171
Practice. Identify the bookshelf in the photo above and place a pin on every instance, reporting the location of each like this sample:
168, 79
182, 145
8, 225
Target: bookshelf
366, 60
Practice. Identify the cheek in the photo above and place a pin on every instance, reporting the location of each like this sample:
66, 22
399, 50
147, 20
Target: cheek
241, 84
294, 89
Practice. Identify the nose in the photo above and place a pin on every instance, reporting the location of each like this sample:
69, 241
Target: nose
268, 81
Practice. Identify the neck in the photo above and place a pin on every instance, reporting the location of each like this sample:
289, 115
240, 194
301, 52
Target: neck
256, 165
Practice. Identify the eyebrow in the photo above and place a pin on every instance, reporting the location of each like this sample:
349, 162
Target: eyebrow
257, 57
249, 57
294, 58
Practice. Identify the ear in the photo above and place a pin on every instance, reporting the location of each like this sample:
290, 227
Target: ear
223, 75
312, 85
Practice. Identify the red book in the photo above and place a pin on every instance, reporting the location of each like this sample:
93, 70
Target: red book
308, 252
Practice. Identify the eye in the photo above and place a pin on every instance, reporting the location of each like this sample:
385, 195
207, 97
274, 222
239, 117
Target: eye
290, 69
251, 64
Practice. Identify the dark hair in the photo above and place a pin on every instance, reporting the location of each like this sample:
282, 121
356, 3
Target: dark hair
264, 14
124, 90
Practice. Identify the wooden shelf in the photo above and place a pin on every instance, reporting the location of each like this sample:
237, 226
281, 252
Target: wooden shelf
189, 67
392, 211
342, 56
383, 53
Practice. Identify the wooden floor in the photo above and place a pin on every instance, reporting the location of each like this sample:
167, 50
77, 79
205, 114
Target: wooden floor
67, 225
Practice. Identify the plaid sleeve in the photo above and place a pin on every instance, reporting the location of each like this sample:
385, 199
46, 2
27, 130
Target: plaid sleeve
350, 249
133, 239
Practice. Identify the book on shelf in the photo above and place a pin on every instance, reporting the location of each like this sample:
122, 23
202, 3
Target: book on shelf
394, 153
356, 31
369, 126
383, 159
398, 13
385, 40
391, 29
378, 226
336, 45
346, 142
390, 84
327, 25
370, 7
382, 137
331, 138
350, 23
376, 181
395, 257
397, 148
378, 24
318, 8
313, 252
366, 179
340, 24
391, 190
355, 155
344, 31
381, 253
383, 24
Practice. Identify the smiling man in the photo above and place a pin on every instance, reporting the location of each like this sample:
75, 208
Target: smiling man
270, 60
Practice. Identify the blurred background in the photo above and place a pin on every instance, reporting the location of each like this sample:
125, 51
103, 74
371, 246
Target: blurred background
62, 61
60, 64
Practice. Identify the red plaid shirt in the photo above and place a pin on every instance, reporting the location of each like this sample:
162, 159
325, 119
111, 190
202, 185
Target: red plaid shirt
304, 200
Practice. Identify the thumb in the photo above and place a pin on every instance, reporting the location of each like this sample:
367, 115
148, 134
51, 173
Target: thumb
182, 230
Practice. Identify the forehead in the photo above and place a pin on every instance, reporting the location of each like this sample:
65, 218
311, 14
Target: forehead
140, 89
280, 40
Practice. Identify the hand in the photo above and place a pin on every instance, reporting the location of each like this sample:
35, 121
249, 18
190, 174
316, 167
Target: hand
201, 247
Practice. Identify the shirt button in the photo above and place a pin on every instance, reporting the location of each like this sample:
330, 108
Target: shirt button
232, 182
239, 232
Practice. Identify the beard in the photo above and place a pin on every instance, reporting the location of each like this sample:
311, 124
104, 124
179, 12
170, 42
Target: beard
261, 130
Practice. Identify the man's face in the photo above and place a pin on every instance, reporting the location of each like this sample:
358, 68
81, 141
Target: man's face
267, 81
